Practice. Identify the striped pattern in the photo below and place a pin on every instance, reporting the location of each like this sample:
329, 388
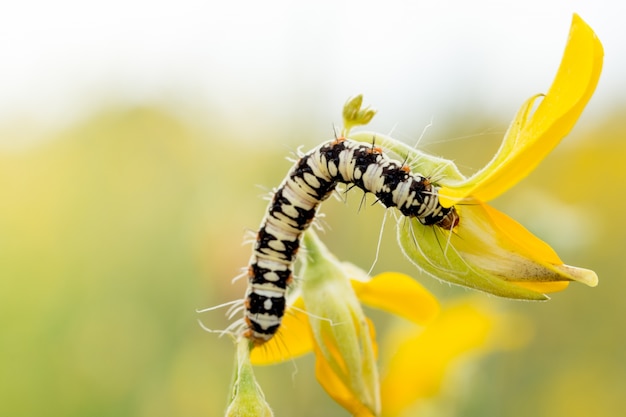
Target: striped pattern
293, 208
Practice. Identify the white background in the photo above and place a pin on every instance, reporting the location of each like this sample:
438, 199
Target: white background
261, 61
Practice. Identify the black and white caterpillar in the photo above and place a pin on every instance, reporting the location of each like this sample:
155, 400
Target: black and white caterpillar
294, 206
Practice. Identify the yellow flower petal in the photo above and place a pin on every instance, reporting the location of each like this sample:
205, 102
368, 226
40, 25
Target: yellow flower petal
334, 383
497, 244
527, 244
531, 137
398, 294
543, 287
435, 252
292, 340
491, 252
421, 360
522, 242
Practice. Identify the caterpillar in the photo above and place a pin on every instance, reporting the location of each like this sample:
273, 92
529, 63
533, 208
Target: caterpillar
294, 205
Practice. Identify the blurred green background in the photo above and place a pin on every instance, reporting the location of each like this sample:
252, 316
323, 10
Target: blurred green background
137, 140
115, 230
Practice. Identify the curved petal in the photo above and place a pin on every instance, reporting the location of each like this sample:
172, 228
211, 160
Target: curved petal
337, 389
517, 239
490, 252
292, 340
423, 358
335, 384
398, 294
526, 243
433, 250
531, 137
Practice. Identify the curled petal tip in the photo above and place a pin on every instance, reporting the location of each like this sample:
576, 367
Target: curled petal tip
582, 275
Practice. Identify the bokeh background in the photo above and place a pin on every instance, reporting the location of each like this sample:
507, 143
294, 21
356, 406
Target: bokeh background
137, 139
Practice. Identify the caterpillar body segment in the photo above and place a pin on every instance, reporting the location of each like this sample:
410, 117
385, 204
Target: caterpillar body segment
294, 205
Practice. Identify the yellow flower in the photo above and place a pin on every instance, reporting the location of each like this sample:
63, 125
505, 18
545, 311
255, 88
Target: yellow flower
488, 250
328, 320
